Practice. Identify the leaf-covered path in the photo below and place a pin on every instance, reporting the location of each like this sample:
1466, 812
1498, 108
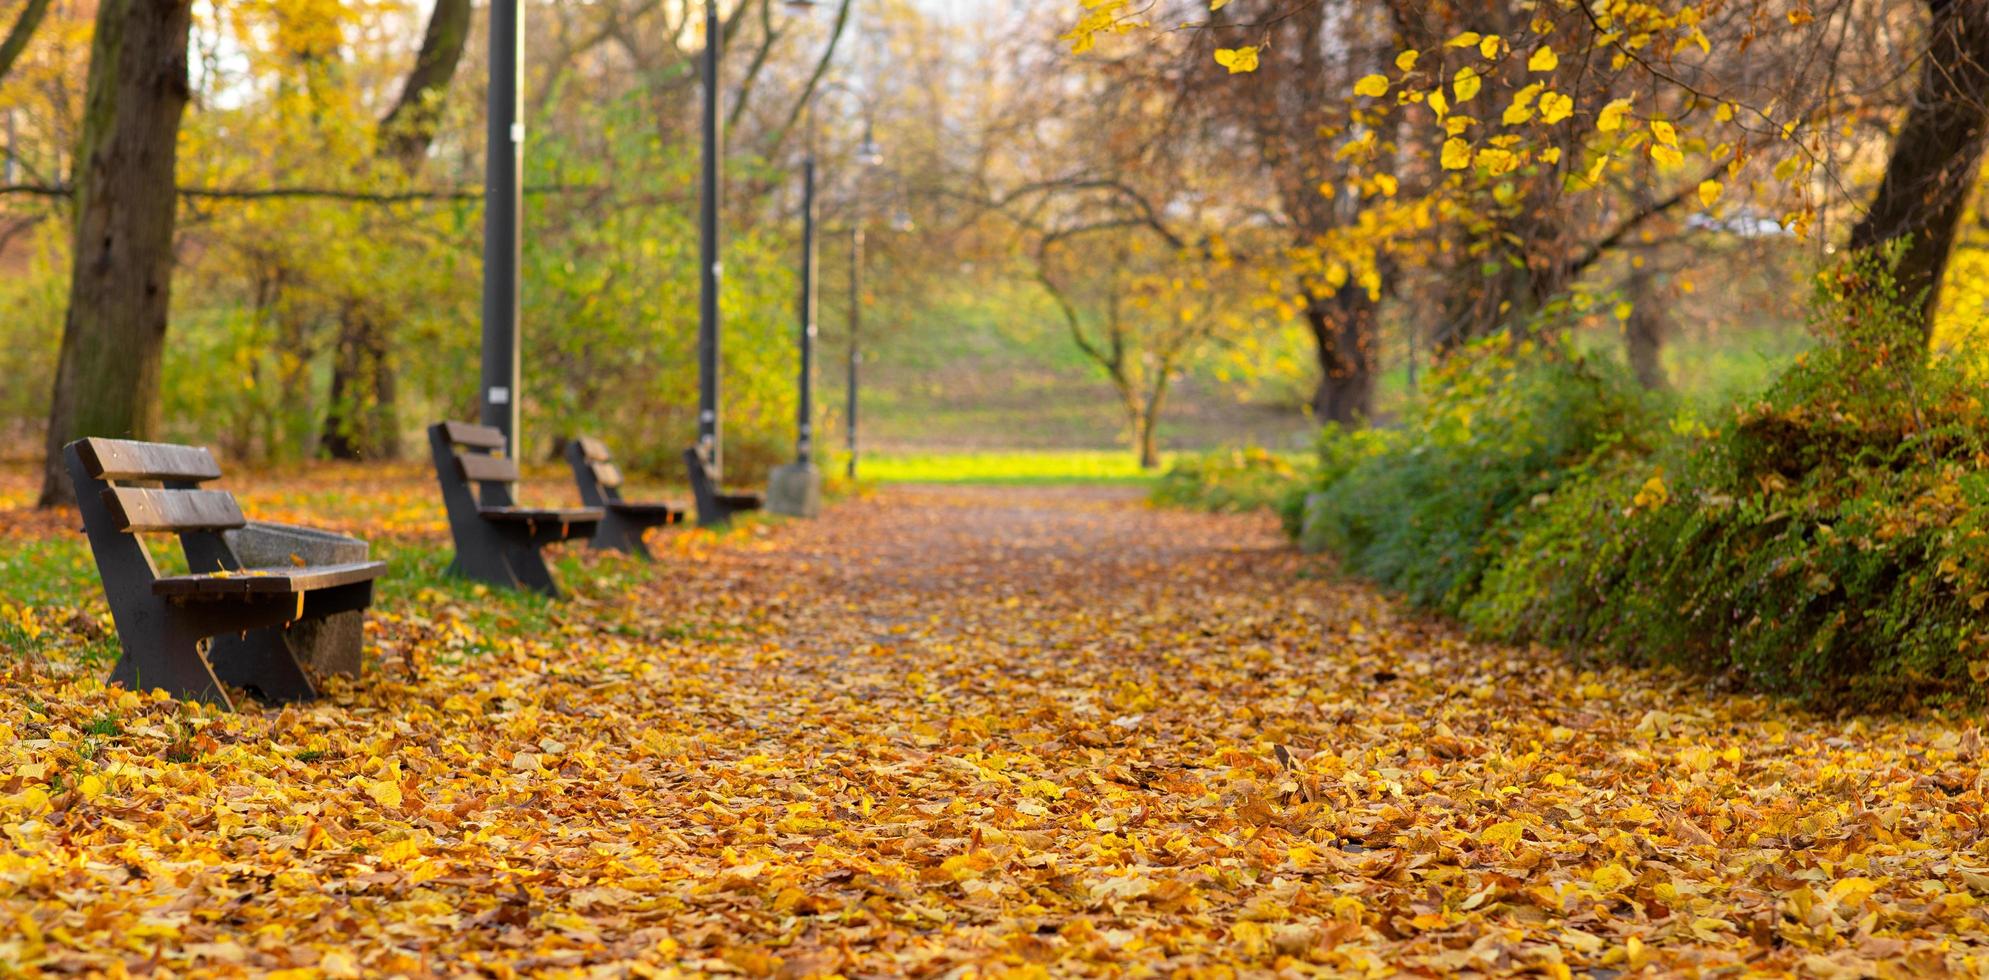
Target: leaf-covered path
982, 730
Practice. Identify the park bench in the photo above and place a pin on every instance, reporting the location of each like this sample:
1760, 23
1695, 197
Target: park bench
187, 634
497, 541
600, 482
714, 505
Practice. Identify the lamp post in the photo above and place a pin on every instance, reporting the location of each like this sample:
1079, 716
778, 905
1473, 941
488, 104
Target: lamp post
804, 442
710, 270
870, 156
504, 157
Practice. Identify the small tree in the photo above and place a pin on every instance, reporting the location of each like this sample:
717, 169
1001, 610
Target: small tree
1141, 306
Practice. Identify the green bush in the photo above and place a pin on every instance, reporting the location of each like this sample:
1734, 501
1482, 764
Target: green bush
1229, 480
1426, 508
1829, 540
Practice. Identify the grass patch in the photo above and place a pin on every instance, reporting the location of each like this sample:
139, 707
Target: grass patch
1009, 468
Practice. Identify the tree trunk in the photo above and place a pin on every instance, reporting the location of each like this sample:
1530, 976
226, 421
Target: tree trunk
1343, 335
1937, 154
409, 126
1643, 338
362, 420
107, 379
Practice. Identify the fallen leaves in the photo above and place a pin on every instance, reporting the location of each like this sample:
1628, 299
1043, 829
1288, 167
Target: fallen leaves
979, 731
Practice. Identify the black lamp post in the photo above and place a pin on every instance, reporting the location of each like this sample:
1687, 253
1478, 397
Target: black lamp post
504, 156
710, 270
871, 156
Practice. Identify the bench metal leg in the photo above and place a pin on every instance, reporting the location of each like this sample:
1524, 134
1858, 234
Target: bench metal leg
481, 554
169, 657
618, 533
263, 661
524, 557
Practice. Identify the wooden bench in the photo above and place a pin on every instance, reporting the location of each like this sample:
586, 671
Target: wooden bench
715, 506
600, 482
498, 541
187, 634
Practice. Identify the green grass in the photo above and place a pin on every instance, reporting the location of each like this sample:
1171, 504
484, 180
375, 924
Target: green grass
1014, 467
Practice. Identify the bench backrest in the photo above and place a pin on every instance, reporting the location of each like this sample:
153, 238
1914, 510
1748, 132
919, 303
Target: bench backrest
594, 470
173, 506
166, 499
473, 454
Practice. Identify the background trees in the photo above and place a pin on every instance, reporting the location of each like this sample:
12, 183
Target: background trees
1383, 182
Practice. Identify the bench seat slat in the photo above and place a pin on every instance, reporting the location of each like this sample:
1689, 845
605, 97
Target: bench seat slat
274, 581
474, 436
534, 515
674, 514
136, 509
478, 468
742, 501
113, 460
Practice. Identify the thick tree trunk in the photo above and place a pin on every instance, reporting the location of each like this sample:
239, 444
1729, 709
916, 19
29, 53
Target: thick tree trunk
361, 419
1343, 335
1938, 154
107, 380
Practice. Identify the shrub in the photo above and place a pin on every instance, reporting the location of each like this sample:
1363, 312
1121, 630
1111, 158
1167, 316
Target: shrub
1427, 508
1229, 480
1829, 539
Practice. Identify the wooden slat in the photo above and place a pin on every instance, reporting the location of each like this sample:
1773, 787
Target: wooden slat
476, 436
277, 581
122, 459
662, 512
607, 475
596, 450
137, 509
533, 515
488, 469
742, 501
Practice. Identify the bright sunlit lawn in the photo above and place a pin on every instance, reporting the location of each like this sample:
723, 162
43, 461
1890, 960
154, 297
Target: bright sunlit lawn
1047, 466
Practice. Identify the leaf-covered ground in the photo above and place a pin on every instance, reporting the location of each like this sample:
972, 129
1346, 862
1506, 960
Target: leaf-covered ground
1045, 730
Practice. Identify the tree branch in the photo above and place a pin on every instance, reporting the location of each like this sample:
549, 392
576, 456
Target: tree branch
19, 35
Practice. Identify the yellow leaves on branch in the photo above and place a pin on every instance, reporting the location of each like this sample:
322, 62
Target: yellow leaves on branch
1466, 84
1610, 119
1101, 17
1555, 107
1543, 59
1372, 86
1237, 60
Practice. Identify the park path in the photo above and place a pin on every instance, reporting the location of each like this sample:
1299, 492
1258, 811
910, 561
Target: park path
991, 729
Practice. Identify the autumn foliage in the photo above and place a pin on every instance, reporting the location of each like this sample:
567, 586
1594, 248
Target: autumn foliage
1046, 731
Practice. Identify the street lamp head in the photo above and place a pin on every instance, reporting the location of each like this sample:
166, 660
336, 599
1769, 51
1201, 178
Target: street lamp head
869, 153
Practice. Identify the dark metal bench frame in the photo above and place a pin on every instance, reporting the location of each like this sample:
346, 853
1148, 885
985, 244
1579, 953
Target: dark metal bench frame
497, 541
189, 633
600, 482
715, 507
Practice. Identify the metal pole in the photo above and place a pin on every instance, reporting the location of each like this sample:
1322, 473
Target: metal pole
503, 203
708, 429
804, 448
855, 332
